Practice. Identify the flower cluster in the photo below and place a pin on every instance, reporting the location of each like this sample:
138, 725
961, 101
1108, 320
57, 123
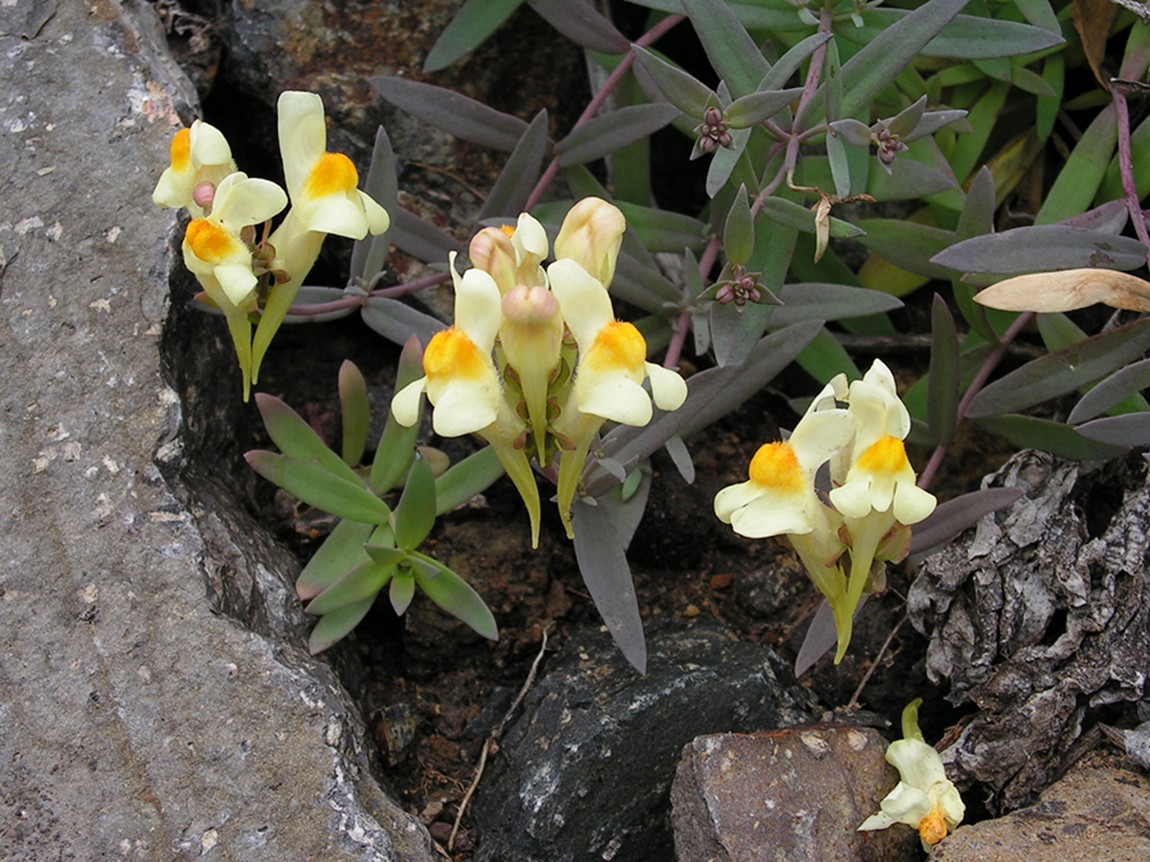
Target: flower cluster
924, 798
536, 362
845, 535
243, 275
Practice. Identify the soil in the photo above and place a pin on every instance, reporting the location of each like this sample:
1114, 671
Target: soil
431, 690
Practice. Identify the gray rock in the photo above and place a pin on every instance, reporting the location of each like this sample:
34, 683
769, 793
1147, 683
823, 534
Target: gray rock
795, 794
1097, 812
585, 772
140, 722
1038, 615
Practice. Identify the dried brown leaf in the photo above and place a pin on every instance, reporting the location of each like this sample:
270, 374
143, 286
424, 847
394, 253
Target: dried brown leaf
1092, 20
1067, 290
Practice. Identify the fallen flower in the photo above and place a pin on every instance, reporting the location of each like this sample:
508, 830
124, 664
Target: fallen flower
924, 798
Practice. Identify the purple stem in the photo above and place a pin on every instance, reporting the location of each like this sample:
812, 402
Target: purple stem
599, 98
347, 302
1126, 167
541, 187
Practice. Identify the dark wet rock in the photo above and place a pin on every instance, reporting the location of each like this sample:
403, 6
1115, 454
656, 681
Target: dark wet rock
796, 794
156, 696
1097, 811
1040, 615
585, 772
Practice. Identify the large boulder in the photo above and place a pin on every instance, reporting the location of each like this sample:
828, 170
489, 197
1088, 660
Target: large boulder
586, 771
156, 698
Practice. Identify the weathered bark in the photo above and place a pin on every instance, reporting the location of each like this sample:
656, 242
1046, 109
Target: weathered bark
1038, 615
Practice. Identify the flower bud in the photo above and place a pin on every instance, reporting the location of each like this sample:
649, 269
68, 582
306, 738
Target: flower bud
591, 235
529, 306
203, 195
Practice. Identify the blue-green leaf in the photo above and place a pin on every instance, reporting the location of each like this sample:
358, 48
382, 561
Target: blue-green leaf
739, 231
396, 448
368, 254
340, 551
882, 58
462, 481
681, 89
454, 595
360, 584
335, 626
580, 22
509, 195
612, 131
297, 438
1063, 371
1129, 429
422, 240
817, 301
950, 518
602, 562
401, 593
320, 487
732, 52
942, 389
967, 37
415, 513
1031, 432
762, 105
453, 113
1112, 391
1043, 248
397, 321
355, 412
469, 29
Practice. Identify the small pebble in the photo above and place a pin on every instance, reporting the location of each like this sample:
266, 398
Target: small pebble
722, 581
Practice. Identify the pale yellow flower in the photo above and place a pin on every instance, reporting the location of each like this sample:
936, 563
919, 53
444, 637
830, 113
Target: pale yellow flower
872, 496
199, 155
323, 186
924, 799
591, 235
609, 376
216, 253
325, 199
461, 380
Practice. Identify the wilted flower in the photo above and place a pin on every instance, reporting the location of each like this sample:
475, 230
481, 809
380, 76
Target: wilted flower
924, 798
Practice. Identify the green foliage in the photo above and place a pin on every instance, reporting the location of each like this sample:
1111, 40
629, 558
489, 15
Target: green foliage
945, 105
374, 546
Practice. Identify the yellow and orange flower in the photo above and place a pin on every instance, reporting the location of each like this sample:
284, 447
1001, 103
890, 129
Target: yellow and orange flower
536, 395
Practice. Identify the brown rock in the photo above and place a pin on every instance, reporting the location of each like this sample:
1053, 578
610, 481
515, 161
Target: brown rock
794, 794
1097, 812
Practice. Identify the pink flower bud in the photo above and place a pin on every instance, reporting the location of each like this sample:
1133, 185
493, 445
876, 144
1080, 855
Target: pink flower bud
203, 194
530, 306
